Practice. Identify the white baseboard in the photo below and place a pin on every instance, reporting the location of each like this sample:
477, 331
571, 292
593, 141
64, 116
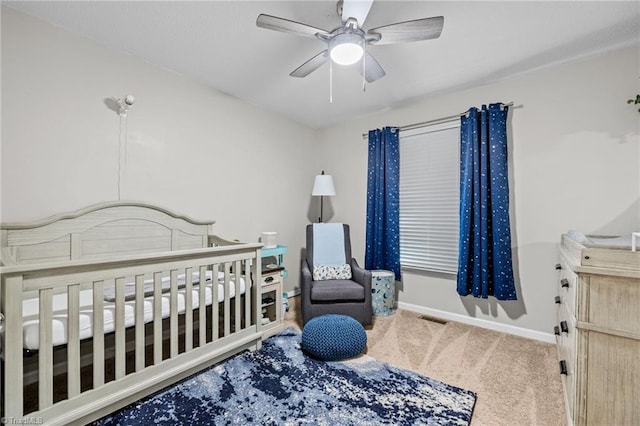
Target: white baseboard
479, 322
291, 293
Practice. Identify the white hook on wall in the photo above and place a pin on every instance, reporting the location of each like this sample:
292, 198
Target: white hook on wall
124, 103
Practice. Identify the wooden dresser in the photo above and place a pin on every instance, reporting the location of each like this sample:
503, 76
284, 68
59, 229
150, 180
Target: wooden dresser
598, 333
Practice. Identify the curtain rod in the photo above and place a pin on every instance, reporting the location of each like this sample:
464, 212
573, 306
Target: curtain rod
435, 121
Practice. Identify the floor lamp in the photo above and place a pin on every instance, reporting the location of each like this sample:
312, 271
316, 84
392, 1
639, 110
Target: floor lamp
323, 185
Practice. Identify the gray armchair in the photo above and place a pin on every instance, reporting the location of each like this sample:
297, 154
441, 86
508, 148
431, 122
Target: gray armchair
347, 297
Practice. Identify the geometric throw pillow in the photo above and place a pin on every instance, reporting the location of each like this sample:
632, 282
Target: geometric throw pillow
332, 272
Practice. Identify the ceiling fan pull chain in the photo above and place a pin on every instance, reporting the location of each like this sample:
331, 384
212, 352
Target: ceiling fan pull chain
330, 81
364, 64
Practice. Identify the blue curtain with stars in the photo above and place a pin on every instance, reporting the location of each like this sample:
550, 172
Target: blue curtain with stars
484, 262
383, 201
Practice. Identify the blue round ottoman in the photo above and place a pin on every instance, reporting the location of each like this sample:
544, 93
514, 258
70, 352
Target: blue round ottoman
333, 337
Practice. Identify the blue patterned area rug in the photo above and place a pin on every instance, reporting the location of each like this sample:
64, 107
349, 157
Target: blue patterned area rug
281, 385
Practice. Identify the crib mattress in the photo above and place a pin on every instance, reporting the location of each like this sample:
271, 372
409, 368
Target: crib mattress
59, 321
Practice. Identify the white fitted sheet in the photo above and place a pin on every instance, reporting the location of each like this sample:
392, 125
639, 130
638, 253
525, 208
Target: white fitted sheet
59, 324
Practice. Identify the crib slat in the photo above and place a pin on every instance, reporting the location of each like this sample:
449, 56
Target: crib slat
202, 308
247, 295
256, 295
236, 279
227, 299
173, 322
121, 359
98, 334
139, 324
13, 366
188, 308
73, 340
157, 318
215, 306
45, 350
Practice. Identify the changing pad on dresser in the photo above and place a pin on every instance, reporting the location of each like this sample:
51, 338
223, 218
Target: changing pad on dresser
601, 251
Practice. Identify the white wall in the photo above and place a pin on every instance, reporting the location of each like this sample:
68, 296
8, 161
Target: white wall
574, 147
189, 148
575, 154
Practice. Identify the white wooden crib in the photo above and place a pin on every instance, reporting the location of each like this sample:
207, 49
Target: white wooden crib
73, 356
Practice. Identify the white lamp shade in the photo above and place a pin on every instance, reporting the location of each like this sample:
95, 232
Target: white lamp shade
323, 185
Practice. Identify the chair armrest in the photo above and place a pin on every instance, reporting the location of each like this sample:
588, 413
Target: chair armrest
361, 276
304, 269
306, 278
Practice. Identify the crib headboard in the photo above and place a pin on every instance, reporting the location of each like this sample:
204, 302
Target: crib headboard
101, 231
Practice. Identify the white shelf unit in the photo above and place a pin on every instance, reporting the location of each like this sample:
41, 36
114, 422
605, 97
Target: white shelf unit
271, 289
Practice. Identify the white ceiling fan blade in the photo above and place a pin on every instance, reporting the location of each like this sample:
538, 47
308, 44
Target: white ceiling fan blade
372, 69
357, 9
403, 32
311, 65
287, 26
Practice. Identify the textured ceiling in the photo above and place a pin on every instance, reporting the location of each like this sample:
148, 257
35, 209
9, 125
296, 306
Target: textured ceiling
217, 43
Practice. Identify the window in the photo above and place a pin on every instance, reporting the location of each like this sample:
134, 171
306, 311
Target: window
430, 197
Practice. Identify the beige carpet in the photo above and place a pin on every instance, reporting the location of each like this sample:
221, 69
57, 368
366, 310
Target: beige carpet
516, 379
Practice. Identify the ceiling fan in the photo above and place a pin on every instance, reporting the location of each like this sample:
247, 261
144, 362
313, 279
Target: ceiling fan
346, 44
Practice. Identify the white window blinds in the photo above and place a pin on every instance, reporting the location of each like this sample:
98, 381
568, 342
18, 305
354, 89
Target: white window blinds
430, 197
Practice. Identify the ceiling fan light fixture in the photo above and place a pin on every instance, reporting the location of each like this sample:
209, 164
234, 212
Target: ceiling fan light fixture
346, 49
346, 44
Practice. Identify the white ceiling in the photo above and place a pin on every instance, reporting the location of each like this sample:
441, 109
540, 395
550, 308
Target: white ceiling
217, 43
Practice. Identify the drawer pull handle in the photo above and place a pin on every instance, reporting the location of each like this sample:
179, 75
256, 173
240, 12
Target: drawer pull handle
558, 300
563, 367
556, 330
564, 327
268, 279
558, 267
564, 282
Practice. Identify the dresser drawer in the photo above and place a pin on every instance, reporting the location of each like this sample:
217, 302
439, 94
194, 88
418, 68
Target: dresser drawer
567, 371
566, 333
271, 278
567, 283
